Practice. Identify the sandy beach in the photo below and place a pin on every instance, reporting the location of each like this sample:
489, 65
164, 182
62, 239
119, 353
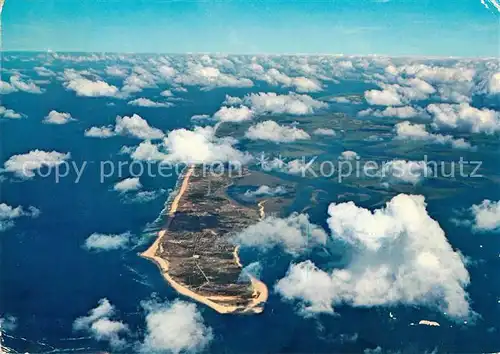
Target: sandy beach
260, 291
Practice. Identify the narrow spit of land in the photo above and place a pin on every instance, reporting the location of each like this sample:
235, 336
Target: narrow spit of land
193, 249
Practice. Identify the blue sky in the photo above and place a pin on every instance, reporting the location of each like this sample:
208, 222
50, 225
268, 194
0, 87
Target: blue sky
393, 27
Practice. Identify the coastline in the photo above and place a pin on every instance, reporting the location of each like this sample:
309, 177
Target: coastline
260, 291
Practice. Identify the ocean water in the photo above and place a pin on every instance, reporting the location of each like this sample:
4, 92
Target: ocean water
47, 279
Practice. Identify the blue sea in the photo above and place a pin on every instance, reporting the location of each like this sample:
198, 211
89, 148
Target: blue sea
48, 279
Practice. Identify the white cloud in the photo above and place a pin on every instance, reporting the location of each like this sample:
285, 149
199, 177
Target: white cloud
8, 214
494, 84
107, 242
44, 72
18, 84
24, 165
6, 88
265, 191
55, 117
200, 145
88, 88
139, 79
272, 103
404, 171
301, 83
9, 113
399, 255
167, 93
146, 151
348, 155
116, 71
464, 117
146, 102
294, 234
403, 92
210, 77
137, 127
200, 117
400, 112
100, 132
233, 114
486, 215
134, 126
104, 309
272, 131
98, 323
408, 131
386, 97
174, 328
232, 101
324, 131
127, 185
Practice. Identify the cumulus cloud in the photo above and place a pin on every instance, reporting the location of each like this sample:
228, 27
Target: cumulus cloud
137, 127
200, 145
494, 84
107, 242
232, 101
134, 126
9, 113
486, 215
19, 84
386, 97
167, 93
348, 155
83, 86
8, 214
403, 92
408, 131
265, 191
294, 234
399, 112
100, 132
293, 104
272, 131
210, 77
24, 165
464, 117
127, 185
233, 114
6, 88
399, 255
44, 72
176, 327
100, 326
301, 84
182, 145
324, 132
55, 117
146, 151
146, 102
116, 71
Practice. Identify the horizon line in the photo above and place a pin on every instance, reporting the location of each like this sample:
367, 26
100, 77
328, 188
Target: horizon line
410, 56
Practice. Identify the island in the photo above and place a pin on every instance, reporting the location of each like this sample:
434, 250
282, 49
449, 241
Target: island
194, 250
